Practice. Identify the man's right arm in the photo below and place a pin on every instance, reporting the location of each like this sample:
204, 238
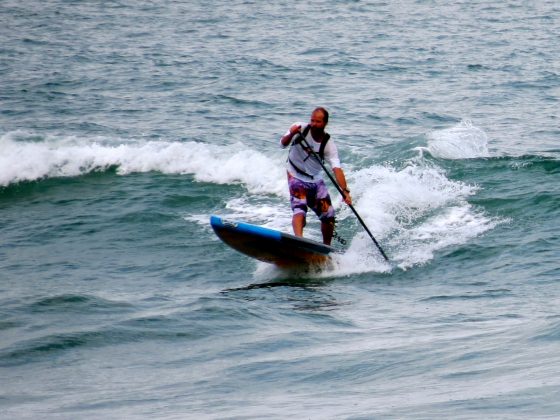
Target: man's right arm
286, 139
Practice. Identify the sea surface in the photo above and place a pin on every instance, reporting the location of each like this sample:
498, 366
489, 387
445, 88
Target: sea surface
125, 124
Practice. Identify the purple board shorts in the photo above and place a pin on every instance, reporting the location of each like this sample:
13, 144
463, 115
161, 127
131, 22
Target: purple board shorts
314, 195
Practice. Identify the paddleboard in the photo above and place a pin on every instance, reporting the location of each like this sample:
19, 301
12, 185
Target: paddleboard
269, 245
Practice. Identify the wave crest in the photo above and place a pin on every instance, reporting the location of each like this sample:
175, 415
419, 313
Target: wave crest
463, 141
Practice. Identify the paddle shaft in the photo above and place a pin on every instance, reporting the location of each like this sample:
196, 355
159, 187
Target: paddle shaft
341, 191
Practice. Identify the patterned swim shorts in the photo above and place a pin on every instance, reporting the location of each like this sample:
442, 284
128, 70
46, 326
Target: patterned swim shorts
314, 195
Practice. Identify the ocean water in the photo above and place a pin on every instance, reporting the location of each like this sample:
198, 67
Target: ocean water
125, 124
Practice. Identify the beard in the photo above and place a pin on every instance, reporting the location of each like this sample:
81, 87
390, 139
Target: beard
316, 132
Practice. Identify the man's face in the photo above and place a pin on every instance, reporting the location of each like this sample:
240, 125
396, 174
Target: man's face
317, 121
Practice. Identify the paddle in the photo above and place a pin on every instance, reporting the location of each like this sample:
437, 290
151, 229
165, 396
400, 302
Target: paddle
333, 180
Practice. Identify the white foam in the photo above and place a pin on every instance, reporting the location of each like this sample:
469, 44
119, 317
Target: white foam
65, 157
463, 141
412, 213
453, 226
268, 214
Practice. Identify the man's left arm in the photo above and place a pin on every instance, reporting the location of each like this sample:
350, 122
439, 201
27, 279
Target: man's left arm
341, 181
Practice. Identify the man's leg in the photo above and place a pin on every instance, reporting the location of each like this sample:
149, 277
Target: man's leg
298, 223
324, 209
327, 229
298, 202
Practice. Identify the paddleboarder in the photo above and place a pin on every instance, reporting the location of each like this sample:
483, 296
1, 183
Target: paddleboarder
304, 167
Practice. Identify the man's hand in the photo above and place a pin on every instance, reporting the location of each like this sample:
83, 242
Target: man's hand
347, 198
294, 129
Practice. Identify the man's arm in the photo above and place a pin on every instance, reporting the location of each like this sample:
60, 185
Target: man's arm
341, 181
287, 138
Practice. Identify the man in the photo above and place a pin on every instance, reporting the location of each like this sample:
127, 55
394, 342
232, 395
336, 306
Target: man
307, 187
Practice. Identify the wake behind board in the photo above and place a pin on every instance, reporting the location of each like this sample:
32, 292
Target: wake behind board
269, 245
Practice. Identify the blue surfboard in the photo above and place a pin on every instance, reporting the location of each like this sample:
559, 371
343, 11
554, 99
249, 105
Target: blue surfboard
269, 245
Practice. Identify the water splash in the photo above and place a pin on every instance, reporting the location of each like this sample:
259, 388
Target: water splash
463, 141
413, 212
